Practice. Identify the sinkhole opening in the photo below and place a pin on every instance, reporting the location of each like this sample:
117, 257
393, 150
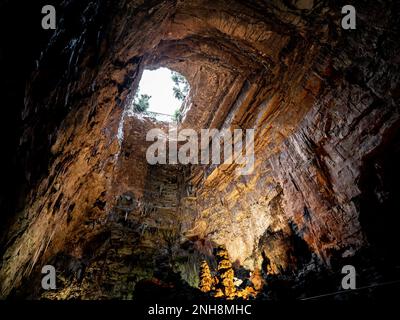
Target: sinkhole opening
161, 93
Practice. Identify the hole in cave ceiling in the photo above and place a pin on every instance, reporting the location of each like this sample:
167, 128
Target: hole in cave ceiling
161, 93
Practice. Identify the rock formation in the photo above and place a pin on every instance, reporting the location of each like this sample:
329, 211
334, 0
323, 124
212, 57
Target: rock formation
323, 102
206, 279
224, 283
225, 286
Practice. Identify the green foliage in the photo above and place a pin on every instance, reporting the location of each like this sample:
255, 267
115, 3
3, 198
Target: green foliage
181, 86
177, 116
178, 94
141, 104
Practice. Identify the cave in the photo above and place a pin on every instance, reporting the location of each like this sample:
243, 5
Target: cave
78, 192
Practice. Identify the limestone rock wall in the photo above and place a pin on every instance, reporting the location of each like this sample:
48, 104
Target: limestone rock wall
311, 143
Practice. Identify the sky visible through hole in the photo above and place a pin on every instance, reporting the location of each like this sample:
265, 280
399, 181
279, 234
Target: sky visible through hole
159, 85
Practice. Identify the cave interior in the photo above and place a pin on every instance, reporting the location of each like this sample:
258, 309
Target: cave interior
78, 193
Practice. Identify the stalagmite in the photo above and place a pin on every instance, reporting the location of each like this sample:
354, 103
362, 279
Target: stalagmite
225, 287
206, 279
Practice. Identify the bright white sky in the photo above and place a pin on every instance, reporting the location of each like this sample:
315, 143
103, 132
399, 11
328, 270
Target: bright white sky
158, 84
